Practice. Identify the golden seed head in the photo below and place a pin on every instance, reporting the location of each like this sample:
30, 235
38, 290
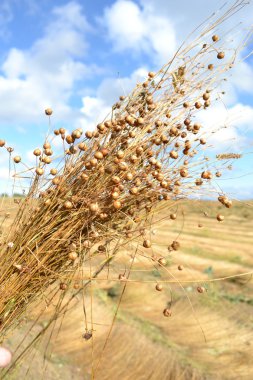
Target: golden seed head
17, 159
184, 173
63, 286
2, 143
220, 218
221, 55
89, 134
159, 287
94, 207
39, 171
37, 152
72, 256
46, 145
53, 171
206, 175
69, 139
167, 312
99, 155
68, 205
147, 243
48, 111
48, 152
162, 261
84, 177
174, 154
151, 74
115, 179
77, 133
82, 146
201, 289
115, 195
198, 105
117, 204
215, 38
173, 216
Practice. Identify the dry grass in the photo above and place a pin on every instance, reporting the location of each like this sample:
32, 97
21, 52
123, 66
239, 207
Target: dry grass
89, 217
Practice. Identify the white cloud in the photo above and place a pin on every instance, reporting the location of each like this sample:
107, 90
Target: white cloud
95, 109
237, 121
139, 29
45, 74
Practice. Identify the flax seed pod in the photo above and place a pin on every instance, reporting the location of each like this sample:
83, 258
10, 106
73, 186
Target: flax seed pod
184, 173
120, 154
162, 261
69, 139
48, 152
2, 143
47, 145
220, 218
94, 207
39, 171
72, 256
147, 243
89, 135
167, 312
201, 289
98, 155
53, 171
63, 286
48, 111
221, 55
117, 204
174, 154
68, 205
206, 96
206, 175
129, 176
175, 245
215, 38
173, 216
199, 182
76, 134
134, 191
82, 146
17, 159
115, 195
151, 74
159, 287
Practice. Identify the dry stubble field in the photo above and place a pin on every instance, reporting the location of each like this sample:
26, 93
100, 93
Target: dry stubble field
208, 336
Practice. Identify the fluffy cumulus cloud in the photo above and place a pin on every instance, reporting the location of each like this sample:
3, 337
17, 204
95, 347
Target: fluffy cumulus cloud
231, 125
139, 29
46, 73
95, 109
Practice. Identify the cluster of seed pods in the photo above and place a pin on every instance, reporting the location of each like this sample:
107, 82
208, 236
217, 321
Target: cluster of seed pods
111, 181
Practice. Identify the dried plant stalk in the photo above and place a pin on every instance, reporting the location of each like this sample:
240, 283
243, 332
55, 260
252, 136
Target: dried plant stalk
149, 153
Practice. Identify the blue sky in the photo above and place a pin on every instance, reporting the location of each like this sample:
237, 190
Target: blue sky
79, 56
